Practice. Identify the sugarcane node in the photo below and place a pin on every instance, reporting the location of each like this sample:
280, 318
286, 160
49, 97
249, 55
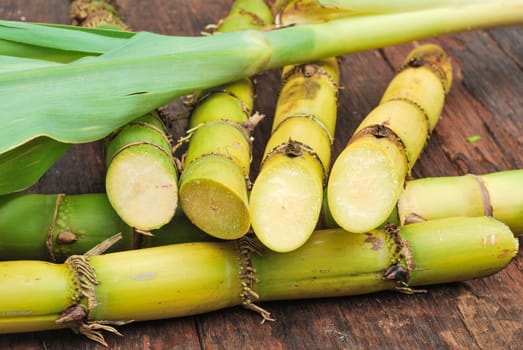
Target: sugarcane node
433, 60
308, 70
308, 116
293, 148
93, 13
76, 312
485, 196
216, 154
52, 225
251, 123
413, 218
139, 143
420, 108
382, 131
404, 254
416, 62
192, 101
246, 246
396, 272
66, 237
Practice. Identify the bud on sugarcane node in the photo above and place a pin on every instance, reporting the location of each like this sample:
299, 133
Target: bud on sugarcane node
369, 174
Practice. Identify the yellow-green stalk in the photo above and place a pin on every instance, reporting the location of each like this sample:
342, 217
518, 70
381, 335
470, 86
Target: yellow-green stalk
141, 180
53, 227
94, 293
498, 194
286, 197
215, 178
368, 176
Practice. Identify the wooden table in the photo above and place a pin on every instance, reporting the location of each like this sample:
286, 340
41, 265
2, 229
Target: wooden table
486, 99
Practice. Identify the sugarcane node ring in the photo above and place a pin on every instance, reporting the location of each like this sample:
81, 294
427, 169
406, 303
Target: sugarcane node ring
308, 116
433, 57
402, 266
485, 196
293, 148
50, 230
309, 70
246, 246
382, 131
421, 109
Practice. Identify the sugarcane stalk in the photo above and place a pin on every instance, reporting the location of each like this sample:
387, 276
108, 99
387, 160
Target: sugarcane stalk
215, 178
286, 197
61, 225
95, 292
153, 67
141, 180
497, 194
388, 142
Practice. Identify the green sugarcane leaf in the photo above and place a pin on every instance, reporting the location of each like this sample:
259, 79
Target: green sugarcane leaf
87, 99
24, 165
75, 39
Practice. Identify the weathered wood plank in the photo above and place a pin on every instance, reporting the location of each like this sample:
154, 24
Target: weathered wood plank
485, 100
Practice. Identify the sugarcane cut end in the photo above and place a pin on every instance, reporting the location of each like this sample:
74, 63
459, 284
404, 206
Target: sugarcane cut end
365, 183
286, 201
142, 187
213, 195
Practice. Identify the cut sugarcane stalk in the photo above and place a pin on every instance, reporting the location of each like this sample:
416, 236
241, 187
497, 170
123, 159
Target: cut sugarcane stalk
141, 180
498, 194
286, 197
61, 225
388, 142
215, 179
94, 293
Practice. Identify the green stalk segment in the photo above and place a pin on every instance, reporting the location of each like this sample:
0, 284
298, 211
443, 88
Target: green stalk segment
59, 225
141, 72
185, 279
498, 194
62, 225
215, 179
141, 180
286, 197
388, 142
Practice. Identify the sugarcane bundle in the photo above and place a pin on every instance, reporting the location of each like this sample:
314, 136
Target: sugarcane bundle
388, 142
93, 293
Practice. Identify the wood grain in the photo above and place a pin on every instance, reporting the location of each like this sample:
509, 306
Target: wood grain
485, 100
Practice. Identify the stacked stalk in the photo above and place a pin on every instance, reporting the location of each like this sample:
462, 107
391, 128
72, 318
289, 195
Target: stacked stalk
498, 194
368, 176
62, 225
286, 197
94, 293
215, 178
141, 180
